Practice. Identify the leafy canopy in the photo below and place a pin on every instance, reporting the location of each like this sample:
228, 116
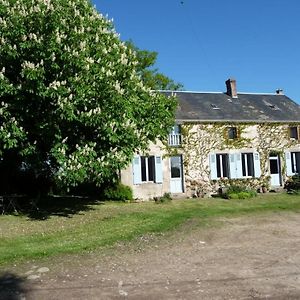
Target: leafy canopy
72, 98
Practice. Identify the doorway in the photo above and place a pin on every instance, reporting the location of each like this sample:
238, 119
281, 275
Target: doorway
275, 170
176, 180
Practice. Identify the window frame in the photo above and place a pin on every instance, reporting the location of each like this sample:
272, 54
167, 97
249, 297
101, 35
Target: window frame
232, 133
147, 168
295, 155
294, 136
245, 161
222, 166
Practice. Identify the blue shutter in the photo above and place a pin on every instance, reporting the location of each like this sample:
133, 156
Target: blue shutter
136, 167
239, 169
232, 166
213, 166
257, 171
158, 169
288, 163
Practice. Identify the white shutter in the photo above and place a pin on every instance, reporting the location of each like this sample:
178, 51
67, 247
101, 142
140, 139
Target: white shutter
232, 166
158, 169
288, 163
239, 169
213, 166
136, 167
257, 171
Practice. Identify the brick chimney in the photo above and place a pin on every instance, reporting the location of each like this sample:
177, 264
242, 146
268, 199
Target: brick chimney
231, 88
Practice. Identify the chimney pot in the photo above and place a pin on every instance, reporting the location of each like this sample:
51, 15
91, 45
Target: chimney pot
279, 92
231, 88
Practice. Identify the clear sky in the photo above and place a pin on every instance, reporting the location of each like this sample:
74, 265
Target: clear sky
201, 43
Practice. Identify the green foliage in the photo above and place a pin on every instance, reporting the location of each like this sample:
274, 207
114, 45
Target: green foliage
150, 75
293, 185
163, 199
239, 192
118, 192
73, 104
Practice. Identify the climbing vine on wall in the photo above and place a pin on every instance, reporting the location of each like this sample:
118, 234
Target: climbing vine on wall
199, 140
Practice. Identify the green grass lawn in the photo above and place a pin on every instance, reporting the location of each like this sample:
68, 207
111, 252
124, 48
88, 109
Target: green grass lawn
103, 225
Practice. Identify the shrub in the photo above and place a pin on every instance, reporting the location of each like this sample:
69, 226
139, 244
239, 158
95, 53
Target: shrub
239, 192
293, 184
118, 192
165, 198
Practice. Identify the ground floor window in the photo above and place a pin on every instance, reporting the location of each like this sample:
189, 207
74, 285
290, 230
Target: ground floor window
295, 157
247, 165
147, 169
234, 165
222, 165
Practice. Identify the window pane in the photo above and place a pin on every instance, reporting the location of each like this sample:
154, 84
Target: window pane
250, 164
244, 164
232, 133
175, 167
294, 132
151, 168
225, 165
218, 165
295, 162
143, 168
274, 166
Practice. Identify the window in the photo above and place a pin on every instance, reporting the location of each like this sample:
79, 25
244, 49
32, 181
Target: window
232, 133
295, 162
147, 168
234, 165
247, 165
222, 165
214, 106
175, 136
293, 132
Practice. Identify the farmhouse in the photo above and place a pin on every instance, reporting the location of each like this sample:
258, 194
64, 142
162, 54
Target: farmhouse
219, 139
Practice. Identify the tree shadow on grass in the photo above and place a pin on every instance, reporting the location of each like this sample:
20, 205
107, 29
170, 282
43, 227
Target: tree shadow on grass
12, 287
45, 207
66, 206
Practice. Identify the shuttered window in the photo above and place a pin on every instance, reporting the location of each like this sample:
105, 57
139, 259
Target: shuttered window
147, 169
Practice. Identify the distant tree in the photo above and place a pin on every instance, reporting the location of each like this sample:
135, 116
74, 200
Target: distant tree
150, 75
74, 105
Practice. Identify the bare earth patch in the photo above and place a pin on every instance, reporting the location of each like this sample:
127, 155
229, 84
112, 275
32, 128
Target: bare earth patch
253, 257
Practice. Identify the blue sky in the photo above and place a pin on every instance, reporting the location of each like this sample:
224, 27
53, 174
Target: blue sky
201, 43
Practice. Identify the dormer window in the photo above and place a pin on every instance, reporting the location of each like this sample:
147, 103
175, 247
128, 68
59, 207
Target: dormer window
274, 107
293, 132
232, 133
214, 106
175, 136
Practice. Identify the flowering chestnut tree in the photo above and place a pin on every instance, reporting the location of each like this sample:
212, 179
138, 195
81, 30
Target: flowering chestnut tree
71, 99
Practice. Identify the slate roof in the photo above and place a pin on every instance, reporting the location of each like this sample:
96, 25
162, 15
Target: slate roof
219, 107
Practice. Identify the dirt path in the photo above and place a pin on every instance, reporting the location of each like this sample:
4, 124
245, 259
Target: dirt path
245, 258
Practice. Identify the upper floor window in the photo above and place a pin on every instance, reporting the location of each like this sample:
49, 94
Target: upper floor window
293, 132
175, 136
232, 133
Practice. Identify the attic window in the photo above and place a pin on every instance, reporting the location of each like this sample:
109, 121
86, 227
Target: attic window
213, 106
274, 107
